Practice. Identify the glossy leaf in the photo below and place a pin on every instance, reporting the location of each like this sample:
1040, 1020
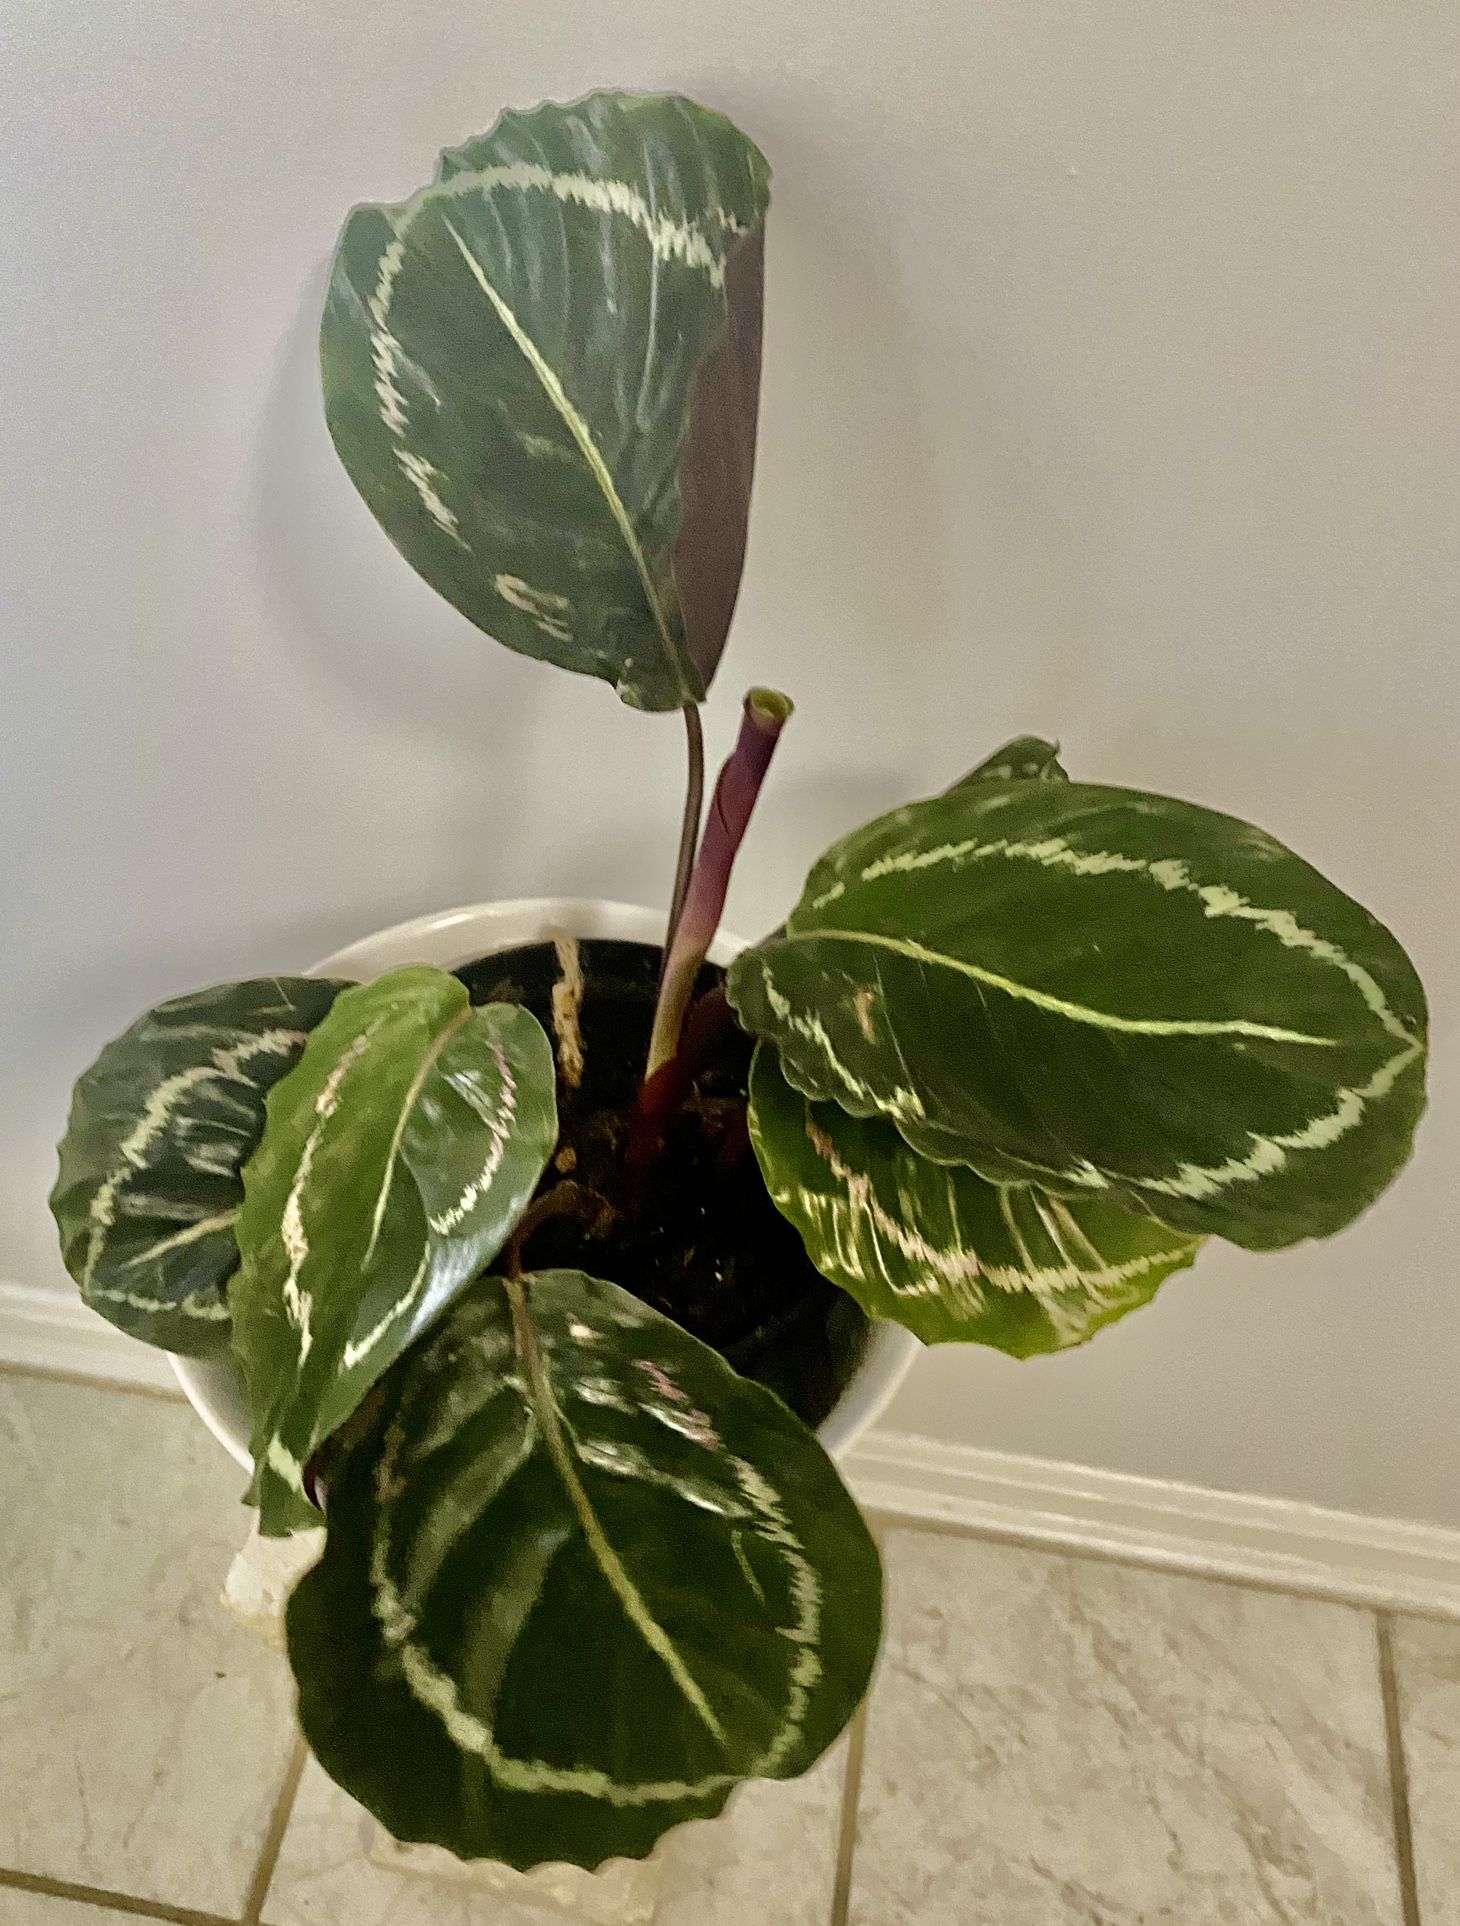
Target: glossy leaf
542, 373
939, 1248
398, 1157
582, 1580
1107, 994
1026, 758
160, 1127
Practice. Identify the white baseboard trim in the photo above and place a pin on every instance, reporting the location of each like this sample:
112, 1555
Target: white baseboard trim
1394, 1562
1277, 1542
54, 1331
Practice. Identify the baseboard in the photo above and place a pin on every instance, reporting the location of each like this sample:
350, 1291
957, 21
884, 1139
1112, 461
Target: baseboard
54, 1331
1396, 1562
1393, 1562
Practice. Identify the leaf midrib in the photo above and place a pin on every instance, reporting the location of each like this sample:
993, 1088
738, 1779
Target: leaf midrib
408, 1104
607, 1559
1062, 1006
578, 428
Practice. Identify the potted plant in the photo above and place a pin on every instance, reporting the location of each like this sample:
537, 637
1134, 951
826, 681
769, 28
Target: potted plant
537, 1271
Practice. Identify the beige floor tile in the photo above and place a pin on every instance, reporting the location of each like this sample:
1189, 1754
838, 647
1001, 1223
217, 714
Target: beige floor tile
1061, 1742
770, 1862
144, 1735
39, 1909
1427, 1675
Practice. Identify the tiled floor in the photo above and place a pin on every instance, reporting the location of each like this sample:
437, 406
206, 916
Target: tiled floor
1052, 1741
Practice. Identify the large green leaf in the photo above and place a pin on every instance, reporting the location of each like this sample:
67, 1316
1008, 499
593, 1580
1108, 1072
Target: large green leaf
581, 1580
941, 1249
1104, 993
160, 1127
397, 1158
542, 373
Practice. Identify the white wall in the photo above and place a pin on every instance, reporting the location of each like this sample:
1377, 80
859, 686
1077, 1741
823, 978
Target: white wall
1111, 391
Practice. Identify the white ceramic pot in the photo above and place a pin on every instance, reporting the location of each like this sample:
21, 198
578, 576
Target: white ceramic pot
457, 936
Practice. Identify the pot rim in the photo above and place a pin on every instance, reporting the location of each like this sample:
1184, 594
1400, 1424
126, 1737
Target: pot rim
450, 938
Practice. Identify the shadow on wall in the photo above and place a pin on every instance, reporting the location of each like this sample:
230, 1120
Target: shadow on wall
848, 530
487, 730
845, 601
886, 400
355, 608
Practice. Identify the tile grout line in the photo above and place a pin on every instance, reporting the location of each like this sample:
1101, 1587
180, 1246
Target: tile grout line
851, 1799
102, 1896
283, 1811
59, 1374
841, 1897
1398, 1772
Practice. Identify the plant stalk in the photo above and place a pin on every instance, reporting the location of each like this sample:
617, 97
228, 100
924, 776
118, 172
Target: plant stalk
689, 834
661, 1097
766, 713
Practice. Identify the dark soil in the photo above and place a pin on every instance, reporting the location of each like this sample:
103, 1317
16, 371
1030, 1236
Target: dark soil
697, 1236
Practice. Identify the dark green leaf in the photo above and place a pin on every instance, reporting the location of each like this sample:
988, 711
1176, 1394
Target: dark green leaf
939, 1248
581, 1580
542, 374
1026, 758
160, 1127
1107, 994
397, 1158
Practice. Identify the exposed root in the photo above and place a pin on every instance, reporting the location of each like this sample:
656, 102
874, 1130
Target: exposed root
568, 1010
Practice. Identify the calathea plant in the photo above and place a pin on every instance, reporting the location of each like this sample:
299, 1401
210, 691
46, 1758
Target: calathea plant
1017, 1051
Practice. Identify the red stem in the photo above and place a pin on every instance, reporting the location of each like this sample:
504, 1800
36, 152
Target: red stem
661, 1097
765, 715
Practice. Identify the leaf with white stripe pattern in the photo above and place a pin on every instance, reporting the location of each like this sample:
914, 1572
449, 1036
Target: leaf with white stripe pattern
940, 1249
580, 1580
397, 1158
543, 371
1026, 758
160, 1127
1105, 993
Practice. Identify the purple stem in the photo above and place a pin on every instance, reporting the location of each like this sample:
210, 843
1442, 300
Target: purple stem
661, 1097
766, 714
